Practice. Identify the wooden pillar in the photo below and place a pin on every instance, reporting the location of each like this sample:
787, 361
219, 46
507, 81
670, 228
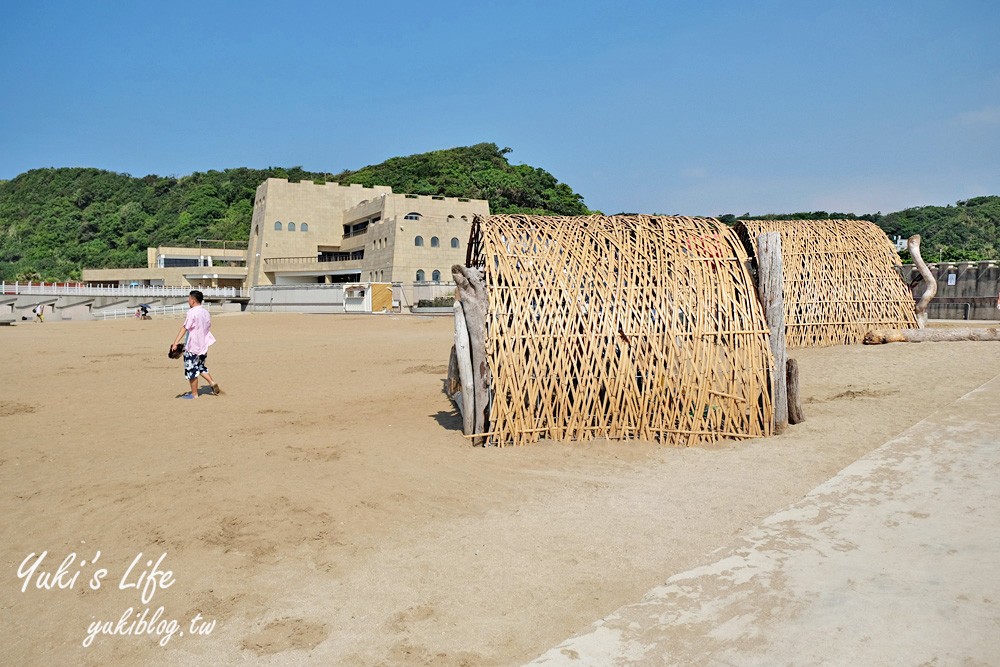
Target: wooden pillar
771, 293
471, 292
795, 414
463, 358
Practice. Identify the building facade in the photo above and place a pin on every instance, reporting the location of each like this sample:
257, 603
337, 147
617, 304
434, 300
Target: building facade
306, 234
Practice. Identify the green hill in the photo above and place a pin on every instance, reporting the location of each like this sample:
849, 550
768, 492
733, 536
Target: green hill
967, 231
54, 222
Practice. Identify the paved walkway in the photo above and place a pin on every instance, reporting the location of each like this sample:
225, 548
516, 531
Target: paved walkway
894, 561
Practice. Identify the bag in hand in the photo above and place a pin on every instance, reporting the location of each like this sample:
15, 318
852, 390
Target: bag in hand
176, 353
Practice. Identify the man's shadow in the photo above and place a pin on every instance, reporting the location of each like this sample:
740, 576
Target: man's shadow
202, 391
450, 420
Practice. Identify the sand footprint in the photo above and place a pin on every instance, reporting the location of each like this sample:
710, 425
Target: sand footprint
287, 634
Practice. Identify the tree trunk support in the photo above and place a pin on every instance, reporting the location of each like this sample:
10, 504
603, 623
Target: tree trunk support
795, 414
771, 293
471, 292
913, 245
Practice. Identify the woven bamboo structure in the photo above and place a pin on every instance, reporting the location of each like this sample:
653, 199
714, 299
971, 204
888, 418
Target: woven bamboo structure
840, 280
621, 327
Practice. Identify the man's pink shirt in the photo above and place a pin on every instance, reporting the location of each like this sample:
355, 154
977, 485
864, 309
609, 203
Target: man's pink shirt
198, 323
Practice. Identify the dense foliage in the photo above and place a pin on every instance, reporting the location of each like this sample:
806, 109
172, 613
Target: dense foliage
476, 172
968, 231
54, 222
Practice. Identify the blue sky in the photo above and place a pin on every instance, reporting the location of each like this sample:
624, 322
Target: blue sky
698, 108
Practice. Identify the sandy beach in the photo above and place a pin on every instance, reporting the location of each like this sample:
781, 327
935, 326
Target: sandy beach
327, 510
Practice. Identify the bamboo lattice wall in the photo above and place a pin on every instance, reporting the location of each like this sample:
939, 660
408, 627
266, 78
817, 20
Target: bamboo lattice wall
621, 327
840, 280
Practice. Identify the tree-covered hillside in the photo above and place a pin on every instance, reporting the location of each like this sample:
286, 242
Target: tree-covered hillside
54, 222
477, 172
967, 231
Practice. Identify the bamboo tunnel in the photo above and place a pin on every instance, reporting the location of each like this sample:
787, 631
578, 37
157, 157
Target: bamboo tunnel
840, 280
623, 327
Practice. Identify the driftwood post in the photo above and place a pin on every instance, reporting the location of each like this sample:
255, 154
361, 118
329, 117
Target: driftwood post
795, 414
913, 245
463, 359
471, 292
882, 336
771, 292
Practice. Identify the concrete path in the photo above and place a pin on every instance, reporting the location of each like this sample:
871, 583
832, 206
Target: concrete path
894, 561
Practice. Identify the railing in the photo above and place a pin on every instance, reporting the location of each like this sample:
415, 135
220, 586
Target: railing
319, 259
58, 289
161, 311
290, 260
355, 232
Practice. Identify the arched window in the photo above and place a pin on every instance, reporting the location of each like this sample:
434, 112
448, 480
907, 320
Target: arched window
435, 243
465, 218
454, 242
277, 225
436, 276
419, 241
291, 226
420, 275
450, 216
304, 227
412, 215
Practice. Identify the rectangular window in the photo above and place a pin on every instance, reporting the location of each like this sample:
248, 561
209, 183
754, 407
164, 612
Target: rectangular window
176, 261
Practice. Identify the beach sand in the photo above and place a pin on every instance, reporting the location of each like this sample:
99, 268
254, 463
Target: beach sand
327, 510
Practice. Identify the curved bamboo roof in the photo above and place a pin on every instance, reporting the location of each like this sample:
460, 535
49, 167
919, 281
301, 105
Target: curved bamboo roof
840, 280
621, 327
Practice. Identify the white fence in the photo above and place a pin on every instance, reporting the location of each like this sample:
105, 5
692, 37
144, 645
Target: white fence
150, 291
177, 310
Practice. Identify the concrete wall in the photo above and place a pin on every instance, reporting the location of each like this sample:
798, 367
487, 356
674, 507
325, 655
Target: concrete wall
973, 296
317, 298
297, 299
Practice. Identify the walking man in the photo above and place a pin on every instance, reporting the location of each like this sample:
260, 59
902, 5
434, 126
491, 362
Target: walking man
39, 312
197, 327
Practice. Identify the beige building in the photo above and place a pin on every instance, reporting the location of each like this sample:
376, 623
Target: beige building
308, 233
304, 233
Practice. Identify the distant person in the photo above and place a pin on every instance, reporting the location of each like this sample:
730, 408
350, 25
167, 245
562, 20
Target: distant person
197, 327
39, 312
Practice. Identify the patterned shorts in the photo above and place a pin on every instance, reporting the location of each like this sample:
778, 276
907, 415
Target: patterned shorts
194, 364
